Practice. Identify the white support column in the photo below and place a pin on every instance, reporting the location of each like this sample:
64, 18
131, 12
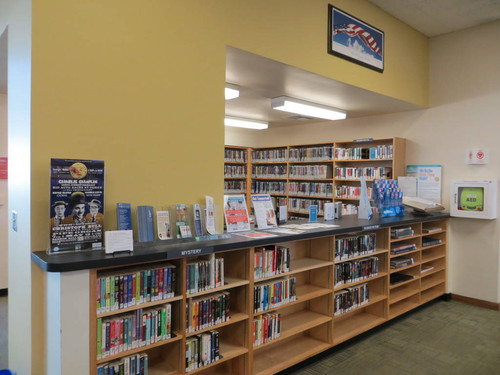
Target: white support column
68, 323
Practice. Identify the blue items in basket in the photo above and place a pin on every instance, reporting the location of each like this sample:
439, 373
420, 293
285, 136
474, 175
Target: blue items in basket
388, 198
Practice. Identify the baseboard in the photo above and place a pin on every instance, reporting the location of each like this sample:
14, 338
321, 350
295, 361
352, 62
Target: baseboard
4, 292
476, 302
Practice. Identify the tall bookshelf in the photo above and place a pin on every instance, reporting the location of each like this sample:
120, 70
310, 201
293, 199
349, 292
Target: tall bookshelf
310, 177
301, 175
371, 158
322, 315
269, 166
237, 167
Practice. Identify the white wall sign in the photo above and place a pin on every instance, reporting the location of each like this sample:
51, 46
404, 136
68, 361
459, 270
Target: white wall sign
477, 156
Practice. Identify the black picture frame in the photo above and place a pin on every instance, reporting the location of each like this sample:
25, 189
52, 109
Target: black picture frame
355, 40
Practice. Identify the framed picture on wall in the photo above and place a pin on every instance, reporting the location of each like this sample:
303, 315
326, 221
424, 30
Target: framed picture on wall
354, 40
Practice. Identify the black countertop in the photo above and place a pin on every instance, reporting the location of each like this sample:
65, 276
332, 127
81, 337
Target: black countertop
178, 248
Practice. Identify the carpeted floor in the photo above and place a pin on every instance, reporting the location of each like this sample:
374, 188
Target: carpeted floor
441, 338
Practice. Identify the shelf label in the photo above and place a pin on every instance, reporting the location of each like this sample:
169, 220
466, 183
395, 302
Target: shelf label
371, 227
363, 140
189, 252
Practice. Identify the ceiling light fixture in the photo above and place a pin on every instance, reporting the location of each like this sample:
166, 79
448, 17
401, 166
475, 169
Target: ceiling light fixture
286, 104
245, 123
231, 91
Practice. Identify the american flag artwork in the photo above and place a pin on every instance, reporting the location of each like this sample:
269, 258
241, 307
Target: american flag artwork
354, 30
355, 40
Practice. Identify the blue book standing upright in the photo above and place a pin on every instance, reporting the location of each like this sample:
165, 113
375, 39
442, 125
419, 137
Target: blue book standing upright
145, 223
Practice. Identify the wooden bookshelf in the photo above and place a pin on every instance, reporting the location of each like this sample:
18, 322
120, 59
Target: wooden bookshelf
309, 325
237, 158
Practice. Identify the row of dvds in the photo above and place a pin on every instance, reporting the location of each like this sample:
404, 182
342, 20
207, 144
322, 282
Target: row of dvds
363, 153
204, 312
311, 188
235, 171
133, 330
367, 172
119, 290
311, 153
280, 201
232, 155
269, 171
353, 246
352, 192
270, 261
266, 327
236, 186
347, 299
271, 295
202, 350
356, 270
203, 274
136, 364
271, 155
268, 187
310, 171
302, 205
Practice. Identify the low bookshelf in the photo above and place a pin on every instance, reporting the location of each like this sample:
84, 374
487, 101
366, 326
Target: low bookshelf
258, 306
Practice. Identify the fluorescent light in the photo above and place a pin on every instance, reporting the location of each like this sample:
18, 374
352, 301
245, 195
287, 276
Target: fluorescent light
286, 104
231, 91
245, 123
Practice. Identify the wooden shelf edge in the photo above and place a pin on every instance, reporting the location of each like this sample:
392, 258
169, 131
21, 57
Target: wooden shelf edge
140, 349
234, 318
403, 283
377, 252
403, 296
377, 298
139, 306
231, 283
348, 285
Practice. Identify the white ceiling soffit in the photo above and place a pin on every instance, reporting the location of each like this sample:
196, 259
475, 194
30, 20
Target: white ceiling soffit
261, 79
436, 17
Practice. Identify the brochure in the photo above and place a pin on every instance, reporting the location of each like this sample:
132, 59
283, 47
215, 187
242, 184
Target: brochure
264, 211
236, 213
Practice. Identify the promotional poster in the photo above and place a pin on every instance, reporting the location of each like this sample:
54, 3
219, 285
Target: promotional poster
76, 205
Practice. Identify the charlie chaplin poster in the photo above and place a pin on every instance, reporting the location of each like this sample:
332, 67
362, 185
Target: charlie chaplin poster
76, 205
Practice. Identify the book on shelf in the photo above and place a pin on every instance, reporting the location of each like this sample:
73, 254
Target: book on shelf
426, 268
429, 241
401, 262
398, 277
431, 229
266, 327
133, 364
202, 350
420, 204
403, 249
146, 232
397, 233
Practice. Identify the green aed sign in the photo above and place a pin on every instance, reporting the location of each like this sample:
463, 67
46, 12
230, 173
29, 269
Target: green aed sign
471, 199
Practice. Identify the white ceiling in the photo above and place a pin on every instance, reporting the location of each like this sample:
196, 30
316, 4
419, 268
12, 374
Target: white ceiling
436, 17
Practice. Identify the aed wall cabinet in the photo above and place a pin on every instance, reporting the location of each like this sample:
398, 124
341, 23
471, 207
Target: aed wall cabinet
345, 280
474, 199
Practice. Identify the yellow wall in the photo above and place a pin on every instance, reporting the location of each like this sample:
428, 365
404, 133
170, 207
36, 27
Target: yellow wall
139, 84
